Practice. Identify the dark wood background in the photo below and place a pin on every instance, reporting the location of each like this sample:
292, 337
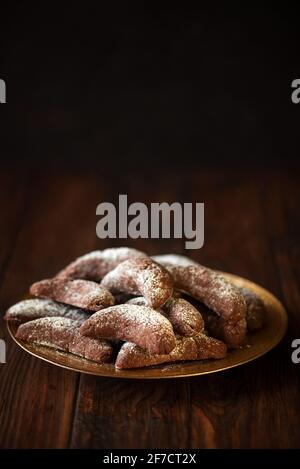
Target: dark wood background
252, 229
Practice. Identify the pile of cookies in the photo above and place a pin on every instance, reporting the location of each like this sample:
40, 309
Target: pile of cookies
121, 306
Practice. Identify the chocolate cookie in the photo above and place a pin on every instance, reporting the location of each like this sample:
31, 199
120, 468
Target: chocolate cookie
256, 310
80, 293
28, 310
63, 334
96, 264
199, 347
218, 294
139, 324
184, 317
141, 276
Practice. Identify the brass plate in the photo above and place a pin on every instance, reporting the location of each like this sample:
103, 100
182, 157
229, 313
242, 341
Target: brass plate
258, 344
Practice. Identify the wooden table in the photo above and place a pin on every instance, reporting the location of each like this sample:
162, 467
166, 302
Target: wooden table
252, 229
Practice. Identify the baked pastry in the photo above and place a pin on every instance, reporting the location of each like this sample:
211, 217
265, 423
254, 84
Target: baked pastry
141, 276
218, 294
28, 310
140, 301
63, 334
184, 317
174, 259
161, 307
256, 310
80, 293
255, 313
214, 324
139, 324
199, 347
96, 264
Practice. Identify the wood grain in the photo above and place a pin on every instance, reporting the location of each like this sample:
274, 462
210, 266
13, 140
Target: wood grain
36, 400
130, 414
252, 229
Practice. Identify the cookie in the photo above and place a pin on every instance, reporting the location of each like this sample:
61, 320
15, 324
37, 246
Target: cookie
28, 310
218, 294
63, 334
96, 264
199, 347
141, 276
256, 310
139, 324
184, 317
80, 293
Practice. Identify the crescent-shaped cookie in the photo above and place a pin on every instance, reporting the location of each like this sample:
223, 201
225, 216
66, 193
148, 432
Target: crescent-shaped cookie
184, 317
217, 293
141, 276
63, 334
80, 293
28, 310
256, 310
96, 264
139, 324
199, 347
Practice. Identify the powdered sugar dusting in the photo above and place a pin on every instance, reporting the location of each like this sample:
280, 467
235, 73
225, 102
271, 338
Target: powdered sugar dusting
184, 317
28, 310
63, 334
96, 264
218, 294
113, 255
174, 259
141, 276
187, 348
139, 324
80, 293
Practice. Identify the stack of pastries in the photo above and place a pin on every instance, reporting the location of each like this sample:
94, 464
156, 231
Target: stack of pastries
123, 307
